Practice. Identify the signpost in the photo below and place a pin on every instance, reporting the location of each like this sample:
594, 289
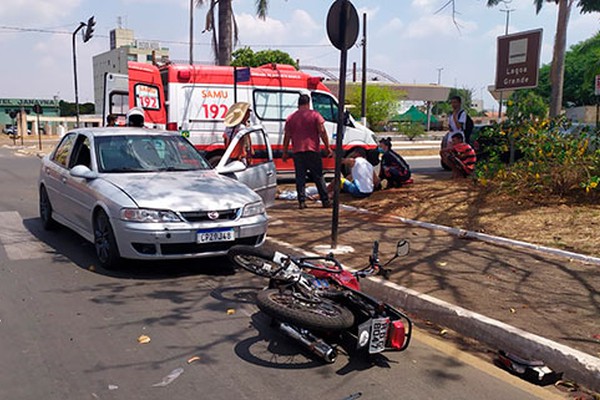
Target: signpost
597, 93
518, 60
342, 29
517, 66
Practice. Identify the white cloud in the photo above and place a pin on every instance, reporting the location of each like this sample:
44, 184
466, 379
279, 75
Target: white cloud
427, 5
40, 11
371, 13
438, 25
301, 25
392, 27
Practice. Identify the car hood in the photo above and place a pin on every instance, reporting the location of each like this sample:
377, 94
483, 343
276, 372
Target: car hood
183, 191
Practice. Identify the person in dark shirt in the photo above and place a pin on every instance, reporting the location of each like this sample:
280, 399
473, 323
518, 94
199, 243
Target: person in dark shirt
460, 157
394, 169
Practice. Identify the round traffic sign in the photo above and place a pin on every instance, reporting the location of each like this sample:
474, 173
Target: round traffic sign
342, 27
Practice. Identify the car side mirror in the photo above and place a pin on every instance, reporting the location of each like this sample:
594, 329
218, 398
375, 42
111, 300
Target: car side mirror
231, 167
402, 248
81, 171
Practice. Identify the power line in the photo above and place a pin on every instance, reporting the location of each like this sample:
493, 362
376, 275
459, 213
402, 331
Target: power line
176, 42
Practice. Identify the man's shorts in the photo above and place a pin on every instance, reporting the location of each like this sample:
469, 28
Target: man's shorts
350, 187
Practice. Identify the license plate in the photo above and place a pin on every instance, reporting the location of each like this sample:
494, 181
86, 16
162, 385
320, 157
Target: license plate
379, 329
215, 235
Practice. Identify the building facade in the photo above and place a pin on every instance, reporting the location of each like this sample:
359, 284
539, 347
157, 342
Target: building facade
123, 48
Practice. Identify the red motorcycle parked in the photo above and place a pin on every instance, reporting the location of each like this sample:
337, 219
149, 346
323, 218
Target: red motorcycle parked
313, 300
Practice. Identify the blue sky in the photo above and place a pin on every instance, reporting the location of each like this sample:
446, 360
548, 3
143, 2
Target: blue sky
406, 39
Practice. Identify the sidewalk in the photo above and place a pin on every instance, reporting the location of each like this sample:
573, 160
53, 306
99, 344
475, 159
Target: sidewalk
542, 294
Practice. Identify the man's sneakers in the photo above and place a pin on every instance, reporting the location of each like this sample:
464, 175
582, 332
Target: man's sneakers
302, 205
326, 204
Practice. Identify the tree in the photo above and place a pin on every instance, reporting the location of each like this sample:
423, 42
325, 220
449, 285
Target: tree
581, 66
443, 107
246, 57
557, 69
382, 103
67, 109
225, 33
525, 105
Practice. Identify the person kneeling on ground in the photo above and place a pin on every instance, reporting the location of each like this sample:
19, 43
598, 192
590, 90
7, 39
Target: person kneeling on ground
362, 179
394, 169
460, 157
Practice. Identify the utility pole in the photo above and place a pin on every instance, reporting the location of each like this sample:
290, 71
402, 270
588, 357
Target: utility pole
439, 70
507, 11
191, 32
363, 96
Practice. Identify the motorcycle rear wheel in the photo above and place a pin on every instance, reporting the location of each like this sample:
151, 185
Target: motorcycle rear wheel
313, 314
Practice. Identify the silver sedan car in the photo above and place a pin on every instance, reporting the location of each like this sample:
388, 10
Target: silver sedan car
142, 194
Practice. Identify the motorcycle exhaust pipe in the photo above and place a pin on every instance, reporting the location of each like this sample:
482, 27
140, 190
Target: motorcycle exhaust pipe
316, 345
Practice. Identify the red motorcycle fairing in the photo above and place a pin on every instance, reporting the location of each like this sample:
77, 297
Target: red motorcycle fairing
343, 278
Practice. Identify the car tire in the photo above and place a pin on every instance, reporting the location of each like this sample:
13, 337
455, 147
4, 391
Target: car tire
105, 242
46, 210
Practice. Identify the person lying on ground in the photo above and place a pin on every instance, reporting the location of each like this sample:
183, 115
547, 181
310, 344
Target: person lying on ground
460, 157
394, 169
362, 179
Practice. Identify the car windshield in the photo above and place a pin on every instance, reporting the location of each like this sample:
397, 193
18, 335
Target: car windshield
147, 153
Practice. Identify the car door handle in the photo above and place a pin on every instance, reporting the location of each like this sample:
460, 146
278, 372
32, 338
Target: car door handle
269, 173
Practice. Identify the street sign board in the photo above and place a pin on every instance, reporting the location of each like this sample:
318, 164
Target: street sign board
518, 60
336, 21
597, 85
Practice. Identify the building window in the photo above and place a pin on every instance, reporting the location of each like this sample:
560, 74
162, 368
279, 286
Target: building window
149, 57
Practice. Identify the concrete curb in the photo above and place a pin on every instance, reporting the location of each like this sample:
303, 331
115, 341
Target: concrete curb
575, 364
497, 240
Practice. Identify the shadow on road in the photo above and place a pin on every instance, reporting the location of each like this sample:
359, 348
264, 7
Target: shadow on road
68, 247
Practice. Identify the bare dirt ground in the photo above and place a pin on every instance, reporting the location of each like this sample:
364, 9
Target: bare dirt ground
547, 221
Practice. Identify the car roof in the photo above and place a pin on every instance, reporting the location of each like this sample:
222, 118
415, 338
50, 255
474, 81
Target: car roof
123, 131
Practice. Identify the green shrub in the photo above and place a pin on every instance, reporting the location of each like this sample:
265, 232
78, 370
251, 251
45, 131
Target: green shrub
553, 159
412, 129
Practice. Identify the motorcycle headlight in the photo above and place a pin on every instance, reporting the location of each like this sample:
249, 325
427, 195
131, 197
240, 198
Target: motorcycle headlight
148, 215
254, 209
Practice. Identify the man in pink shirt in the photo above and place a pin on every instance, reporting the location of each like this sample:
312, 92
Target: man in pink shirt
304, 128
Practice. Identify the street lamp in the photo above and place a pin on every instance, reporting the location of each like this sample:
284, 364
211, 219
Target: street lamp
87, 35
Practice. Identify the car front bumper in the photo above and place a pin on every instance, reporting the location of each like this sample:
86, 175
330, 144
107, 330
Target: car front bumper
153, 241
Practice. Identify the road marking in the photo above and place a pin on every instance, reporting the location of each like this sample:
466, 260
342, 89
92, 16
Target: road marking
18, 242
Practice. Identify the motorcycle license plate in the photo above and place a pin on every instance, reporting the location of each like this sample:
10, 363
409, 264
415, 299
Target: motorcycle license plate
215, 235
378, 339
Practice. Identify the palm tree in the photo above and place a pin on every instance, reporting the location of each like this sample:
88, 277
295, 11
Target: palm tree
226, 32
557, 70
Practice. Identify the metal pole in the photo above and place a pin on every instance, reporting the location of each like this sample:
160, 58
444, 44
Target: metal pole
439, 70
81, 25
191, 32
363, 97
235, 84
39, 132
507, 11
23, 128
340, 126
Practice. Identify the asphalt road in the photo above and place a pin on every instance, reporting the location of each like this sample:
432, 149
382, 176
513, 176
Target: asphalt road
69, 330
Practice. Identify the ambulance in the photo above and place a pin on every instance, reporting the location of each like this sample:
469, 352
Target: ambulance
193, 99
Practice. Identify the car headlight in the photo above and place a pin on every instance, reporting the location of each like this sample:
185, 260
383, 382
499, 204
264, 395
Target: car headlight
254, 209
147, 215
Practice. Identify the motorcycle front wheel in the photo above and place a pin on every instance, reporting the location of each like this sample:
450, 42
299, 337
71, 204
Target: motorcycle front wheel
257, 261
317, 314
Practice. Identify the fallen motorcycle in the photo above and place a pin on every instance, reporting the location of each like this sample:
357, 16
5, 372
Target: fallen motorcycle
314, 301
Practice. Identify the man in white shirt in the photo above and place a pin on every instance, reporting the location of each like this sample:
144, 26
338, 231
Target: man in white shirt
457, 121
362, 179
